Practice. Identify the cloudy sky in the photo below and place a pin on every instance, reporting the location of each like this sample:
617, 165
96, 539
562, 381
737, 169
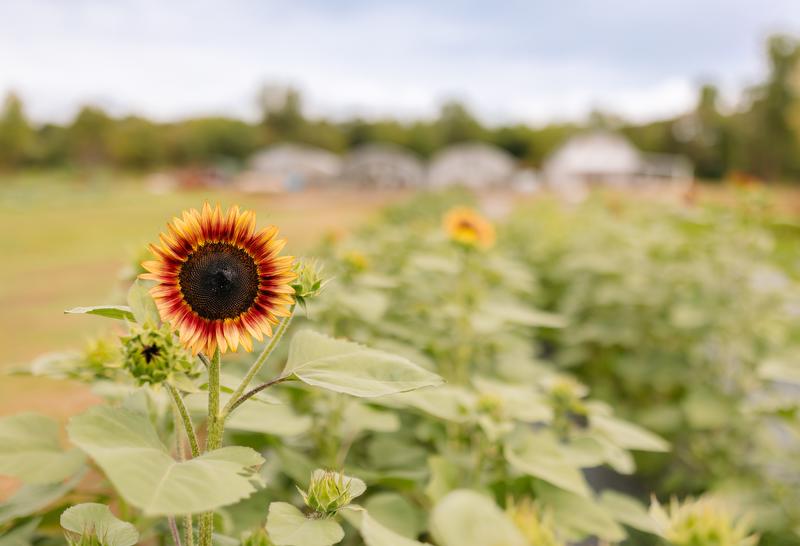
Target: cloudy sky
525, 60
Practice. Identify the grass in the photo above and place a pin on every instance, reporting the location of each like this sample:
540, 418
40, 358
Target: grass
66, 241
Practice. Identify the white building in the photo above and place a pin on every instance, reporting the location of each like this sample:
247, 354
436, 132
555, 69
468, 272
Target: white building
603, 158
290, 167
473, 165
383, 166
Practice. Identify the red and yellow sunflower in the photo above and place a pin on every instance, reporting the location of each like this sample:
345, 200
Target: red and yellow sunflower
220, 282
468, 227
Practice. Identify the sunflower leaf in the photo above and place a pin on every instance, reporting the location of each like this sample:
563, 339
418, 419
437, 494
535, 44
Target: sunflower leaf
287, 526
30, 450
468, 518
142, 304
119, 312
96, 520
350, 368
127, 448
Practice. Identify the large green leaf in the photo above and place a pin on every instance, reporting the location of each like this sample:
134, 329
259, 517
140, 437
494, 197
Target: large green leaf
30, 450
350, 368
579, 516
627, 510
287, 526
467, 518
255, 415
22, 535
142, 305
32, 498
396, 513
627, 435
119, 312
96, 520
539, 455
125, 445
373, 532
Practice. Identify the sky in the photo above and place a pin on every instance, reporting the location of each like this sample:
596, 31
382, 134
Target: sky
531, 61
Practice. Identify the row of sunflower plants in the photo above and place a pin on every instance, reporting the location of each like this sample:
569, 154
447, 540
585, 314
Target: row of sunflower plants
686, 319
449, 429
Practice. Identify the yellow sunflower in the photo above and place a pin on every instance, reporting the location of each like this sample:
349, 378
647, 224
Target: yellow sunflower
220, 282
468, 227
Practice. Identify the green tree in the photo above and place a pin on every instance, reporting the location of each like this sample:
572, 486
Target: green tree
457, 124
88, 136
16, 133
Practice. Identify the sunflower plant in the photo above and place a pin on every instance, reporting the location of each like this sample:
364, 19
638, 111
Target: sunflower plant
216, 285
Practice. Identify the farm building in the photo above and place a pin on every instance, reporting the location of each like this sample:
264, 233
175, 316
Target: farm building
290, 167
606, 158
383, 166
473, 165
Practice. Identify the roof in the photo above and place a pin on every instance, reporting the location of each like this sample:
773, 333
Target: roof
296, 159
383, 165
598, 152
474, 165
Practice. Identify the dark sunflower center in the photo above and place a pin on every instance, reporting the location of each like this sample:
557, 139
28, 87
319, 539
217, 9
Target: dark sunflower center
219, 281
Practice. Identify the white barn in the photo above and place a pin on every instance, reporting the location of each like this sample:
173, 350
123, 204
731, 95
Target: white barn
473, 165
383, 166
288, 167
603, 158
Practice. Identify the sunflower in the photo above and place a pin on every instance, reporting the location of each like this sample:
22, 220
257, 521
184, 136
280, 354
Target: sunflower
467, 227
220, 282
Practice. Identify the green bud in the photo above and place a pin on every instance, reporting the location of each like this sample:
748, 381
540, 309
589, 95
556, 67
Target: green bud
329, 491
153, 354
536, 525
309, 281
700, 522
492, 405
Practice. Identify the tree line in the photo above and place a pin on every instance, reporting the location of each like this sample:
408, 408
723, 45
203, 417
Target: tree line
760, 136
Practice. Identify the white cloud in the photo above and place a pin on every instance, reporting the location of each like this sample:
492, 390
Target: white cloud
509, 61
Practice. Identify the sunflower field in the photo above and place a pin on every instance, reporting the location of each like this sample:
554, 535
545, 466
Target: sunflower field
614, 372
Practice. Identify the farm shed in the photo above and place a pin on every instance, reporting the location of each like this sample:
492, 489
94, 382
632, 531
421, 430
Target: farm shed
289, 167
473, 165
604, 158
383, 166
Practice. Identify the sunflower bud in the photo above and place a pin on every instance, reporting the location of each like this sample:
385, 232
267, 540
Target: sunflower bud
569, 411
492, 405
535, 525
329, 491
152, 355
700, 522
356, 261
309, 281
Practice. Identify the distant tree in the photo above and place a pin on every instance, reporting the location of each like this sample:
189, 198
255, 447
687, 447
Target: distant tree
16, 134
769, 142
137, 143
88, 136
457, 124
206, 140
281, 112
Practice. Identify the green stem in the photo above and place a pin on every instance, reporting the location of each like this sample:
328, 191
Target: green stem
257, 365
187, 421
214, 439
188, 530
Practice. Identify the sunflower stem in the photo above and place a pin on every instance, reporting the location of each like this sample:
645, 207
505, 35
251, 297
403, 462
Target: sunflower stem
236, 398
214, 440
188, 530
255, 390
187, 420
173, 527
